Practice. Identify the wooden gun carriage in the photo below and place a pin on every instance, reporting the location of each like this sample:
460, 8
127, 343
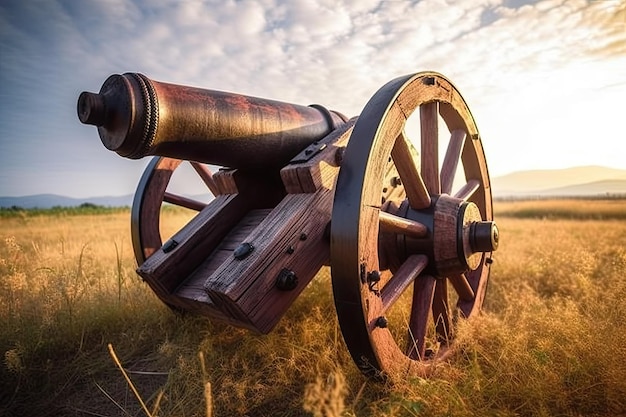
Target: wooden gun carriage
302, 187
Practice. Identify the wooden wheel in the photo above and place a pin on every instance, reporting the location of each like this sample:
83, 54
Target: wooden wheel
151, 194
401, 255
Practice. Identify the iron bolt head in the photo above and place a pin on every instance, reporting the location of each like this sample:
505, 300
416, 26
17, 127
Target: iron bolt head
373, 276
243, 251
382, 322
169, 245
286, 280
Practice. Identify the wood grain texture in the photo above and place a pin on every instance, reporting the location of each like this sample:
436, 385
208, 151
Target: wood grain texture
195, 241
399, 225
451, 160
423, 294
429, 131
246, 288
185, 202
467, 191
462, 287
207, 177
290, 237
441, 312
310, 176
407, 167
400, 281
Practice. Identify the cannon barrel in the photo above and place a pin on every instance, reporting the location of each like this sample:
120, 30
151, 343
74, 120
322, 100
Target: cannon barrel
137, 116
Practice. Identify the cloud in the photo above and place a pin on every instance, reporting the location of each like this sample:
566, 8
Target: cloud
514, 61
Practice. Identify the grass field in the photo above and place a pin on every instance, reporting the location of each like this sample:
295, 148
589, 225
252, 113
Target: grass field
551, 341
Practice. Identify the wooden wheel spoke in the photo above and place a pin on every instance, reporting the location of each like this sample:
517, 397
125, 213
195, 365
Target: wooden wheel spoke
467, 191
462, 287
405, 275
399, 225
405, 162
451, 160
441, 312
423, 295
181, 201
430, 146
372, 240
206, 175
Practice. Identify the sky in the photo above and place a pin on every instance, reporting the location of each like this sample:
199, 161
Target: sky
545, 80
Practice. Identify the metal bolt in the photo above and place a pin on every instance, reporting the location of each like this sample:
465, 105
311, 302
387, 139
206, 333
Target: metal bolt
286, 280
308, 152
290, 250
396, 181
373, 276
243, 251
169, 246
382, 322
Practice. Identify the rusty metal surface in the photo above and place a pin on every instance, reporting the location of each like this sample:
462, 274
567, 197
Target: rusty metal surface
137, 116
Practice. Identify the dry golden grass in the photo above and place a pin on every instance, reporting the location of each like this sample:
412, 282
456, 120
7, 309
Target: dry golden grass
552, 340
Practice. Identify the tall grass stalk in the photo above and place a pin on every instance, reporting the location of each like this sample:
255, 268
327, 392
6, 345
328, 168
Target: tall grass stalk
550, 342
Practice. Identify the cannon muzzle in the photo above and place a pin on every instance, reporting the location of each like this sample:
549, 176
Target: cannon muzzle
137, 116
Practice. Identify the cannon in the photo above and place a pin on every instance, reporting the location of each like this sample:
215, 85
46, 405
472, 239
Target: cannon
405, 226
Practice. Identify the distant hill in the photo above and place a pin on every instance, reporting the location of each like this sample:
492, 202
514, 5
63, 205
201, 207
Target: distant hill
577, 181
45, 201
584, 181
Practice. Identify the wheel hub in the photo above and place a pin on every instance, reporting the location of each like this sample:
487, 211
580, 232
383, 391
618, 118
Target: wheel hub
457, 236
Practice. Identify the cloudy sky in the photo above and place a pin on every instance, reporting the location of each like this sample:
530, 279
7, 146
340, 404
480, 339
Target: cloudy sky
545, 80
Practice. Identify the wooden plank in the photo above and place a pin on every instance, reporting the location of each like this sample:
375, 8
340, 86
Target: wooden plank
193, 286
194, 242
290, 238
225, 182
314, 174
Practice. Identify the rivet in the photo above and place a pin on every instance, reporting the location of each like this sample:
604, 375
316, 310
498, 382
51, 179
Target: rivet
373, 276
243, 251
290, 250
382, 322
169, 246
286, 280
303, 236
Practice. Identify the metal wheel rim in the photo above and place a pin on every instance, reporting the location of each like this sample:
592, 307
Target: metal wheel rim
355, 215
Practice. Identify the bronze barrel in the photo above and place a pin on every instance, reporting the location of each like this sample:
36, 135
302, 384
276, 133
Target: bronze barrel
137, 116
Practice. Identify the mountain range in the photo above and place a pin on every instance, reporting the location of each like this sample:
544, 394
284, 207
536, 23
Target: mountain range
586, 181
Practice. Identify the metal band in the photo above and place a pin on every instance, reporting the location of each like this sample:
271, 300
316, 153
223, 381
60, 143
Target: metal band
151, 106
